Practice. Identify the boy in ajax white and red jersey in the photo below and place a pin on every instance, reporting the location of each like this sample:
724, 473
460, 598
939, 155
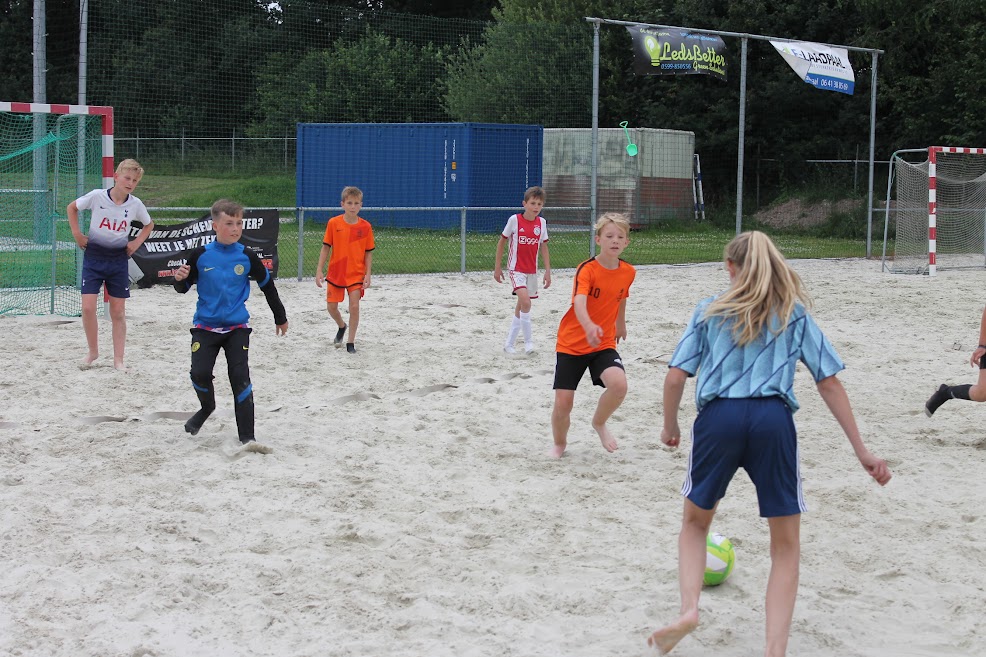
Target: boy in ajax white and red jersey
107, 248
527, 235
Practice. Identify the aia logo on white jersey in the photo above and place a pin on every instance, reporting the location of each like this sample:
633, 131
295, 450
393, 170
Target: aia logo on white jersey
118, 227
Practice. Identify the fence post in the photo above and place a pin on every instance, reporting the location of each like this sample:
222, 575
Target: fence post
183, 149
300, 213
232, 151
462, 239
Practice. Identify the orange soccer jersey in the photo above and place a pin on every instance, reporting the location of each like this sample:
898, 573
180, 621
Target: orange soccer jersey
605, 289
349, 244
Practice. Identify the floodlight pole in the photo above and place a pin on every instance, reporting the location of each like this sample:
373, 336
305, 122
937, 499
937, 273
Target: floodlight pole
83, 63
741, 143
42, 231
595, 137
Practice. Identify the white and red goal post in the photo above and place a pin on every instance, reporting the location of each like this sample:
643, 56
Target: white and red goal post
940, 209
106, 124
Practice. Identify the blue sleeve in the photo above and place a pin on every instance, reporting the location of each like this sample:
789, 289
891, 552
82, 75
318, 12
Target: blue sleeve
688, 354
817, 353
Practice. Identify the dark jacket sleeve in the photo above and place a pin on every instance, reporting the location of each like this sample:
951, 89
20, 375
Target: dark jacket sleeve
265, 280
192, 258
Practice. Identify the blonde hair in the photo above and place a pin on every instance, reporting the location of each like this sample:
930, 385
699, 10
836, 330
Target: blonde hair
534, 192
130, 165
764, 287
355, 192
226, 207
617, 218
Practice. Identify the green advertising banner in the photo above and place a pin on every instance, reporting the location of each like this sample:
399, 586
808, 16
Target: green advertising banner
663, 51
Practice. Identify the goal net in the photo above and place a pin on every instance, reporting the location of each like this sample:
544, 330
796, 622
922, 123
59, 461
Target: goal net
936, 201
49, 156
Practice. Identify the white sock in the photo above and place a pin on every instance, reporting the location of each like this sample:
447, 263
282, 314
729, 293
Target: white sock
512, 333
525, 323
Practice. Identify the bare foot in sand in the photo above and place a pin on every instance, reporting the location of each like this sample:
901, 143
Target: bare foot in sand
557, 451
89, 359
666, 638
606, 438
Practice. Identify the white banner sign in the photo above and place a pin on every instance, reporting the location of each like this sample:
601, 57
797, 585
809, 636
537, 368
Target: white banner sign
820, 66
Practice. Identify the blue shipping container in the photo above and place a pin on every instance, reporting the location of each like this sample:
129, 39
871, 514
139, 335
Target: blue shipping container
419, 165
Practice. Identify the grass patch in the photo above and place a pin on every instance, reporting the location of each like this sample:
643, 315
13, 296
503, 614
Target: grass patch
198, 192
412, 251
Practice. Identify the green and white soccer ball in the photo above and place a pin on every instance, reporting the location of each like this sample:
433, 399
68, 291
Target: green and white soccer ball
719, 559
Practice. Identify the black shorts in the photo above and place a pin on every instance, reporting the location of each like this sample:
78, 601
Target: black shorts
113, 273
569, 369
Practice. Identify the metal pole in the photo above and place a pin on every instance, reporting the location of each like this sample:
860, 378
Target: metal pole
40, 122
83, 61
80, 173
886, 213
462, 240
301, 242
595, 136
701, 193
869, 186
742, 138
51, 218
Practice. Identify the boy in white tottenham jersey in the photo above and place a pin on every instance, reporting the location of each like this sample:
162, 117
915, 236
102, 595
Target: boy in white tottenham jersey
106, 252
527, 234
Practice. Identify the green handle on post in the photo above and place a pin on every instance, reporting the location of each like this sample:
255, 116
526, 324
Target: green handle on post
631, 147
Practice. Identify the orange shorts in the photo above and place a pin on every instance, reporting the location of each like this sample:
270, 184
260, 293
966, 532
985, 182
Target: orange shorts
336, 294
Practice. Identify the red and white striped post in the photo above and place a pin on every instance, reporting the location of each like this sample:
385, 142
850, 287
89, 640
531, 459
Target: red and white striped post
106, 128
932, 207
106, 123
933, 152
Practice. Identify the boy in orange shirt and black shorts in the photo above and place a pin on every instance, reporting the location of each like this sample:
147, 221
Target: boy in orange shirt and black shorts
349, 238
589, 331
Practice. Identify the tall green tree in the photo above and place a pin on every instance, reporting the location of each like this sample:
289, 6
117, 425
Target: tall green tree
933, 75
164, 69
373, 79
17, 50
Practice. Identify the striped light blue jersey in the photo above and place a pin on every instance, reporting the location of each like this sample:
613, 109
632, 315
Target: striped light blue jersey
763, 368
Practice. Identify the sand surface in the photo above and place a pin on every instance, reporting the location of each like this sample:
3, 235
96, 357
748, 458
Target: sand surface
408, 506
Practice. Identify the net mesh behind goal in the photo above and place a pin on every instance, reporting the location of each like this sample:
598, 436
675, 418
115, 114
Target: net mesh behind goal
949, 185
47, 160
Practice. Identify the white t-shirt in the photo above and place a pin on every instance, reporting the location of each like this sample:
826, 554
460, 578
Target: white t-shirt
525, 238
109, 227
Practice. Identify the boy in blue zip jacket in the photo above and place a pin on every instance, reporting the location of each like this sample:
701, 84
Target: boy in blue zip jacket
221, 271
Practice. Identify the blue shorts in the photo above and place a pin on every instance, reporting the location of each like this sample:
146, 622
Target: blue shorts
114, 273
755, 434
570, 368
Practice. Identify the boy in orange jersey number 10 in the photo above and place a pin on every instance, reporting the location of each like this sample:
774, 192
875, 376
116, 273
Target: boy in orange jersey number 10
349, 239
590, 330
